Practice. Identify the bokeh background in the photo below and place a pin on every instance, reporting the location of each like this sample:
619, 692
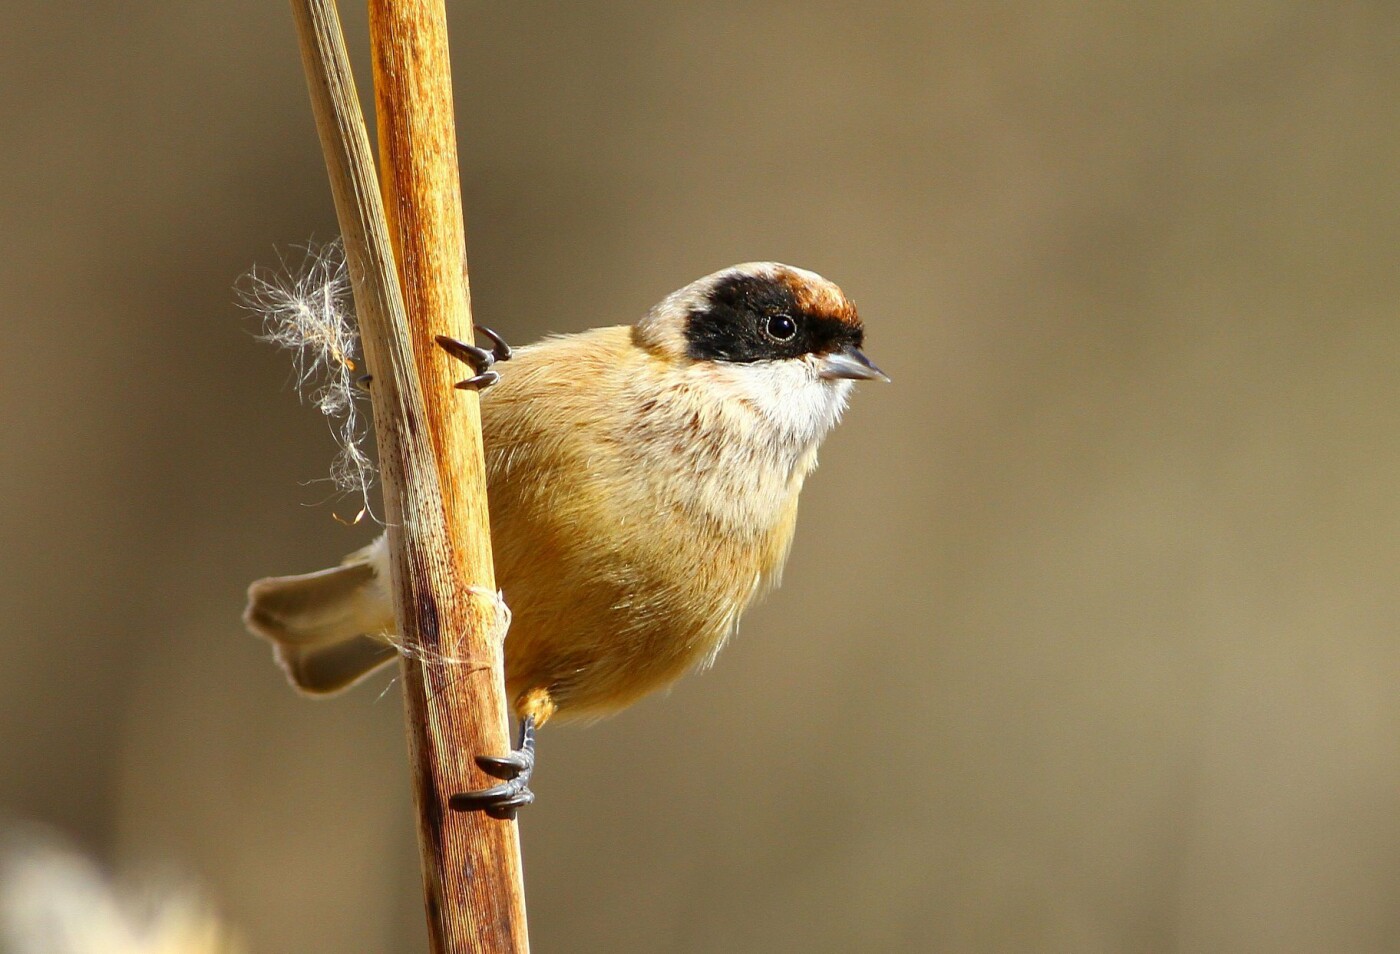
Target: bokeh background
1089, 638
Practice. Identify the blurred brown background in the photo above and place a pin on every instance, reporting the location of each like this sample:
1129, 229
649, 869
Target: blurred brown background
1089, 639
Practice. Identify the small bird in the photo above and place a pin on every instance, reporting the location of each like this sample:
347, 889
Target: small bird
643, 483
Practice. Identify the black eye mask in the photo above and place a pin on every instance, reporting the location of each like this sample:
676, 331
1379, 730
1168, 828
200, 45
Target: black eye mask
752, 318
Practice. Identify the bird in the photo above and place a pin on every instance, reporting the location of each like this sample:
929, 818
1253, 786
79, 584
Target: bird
643, 483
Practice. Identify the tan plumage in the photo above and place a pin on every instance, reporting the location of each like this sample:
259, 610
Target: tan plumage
641, 498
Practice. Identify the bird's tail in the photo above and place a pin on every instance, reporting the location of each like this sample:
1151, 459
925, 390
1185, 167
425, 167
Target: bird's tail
327, 628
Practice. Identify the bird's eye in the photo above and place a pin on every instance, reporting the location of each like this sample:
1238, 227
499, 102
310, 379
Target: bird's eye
781, 327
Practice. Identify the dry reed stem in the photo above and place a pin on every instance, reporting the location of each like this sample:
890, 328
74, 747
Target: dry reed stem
429, 439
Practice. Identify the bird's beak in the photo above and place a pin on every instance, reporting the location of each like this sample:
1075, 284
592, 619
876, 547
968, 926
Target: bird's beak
850, 363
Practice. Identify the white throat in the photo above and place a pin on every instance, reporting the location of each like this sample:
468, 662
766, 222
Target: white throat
795, 407
735, 442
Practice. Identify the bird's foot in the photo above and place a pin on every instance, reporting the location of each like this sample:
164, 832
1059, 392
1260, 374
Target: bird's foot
478, 359
502, 801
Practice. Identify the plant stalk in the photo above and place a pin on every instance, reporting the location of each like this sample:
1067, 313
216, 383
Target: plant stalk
430, 450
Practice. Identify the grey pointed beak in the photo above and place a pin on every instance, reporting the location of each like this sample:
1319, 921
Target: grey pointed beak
850, 363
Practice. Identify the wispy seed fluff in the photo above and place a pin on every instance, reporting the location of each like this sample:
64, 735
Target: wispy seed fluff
308, 310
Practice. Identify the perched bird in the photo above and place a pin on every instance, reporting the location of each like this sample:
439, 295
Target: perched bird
643, 483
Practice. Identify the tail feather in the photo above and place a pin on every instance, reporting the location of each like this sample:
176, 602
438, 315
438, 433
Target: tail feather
313, 607
328, 669
326, 627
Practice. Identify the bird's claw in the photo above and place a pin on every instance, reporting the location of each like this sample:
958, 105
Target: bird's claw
502, 801
478, 382
478, 359
507, 767
499, 349
498, 801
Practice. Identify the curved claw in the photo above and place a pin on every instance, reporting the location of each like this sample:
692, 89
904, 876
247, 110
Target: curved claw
499, 348
478, 359
492, 797
501, 801
506, 766
478, 382
506, 807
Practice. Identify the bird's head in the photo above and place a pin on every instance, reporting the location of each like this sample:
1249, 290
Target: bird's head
783, 339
